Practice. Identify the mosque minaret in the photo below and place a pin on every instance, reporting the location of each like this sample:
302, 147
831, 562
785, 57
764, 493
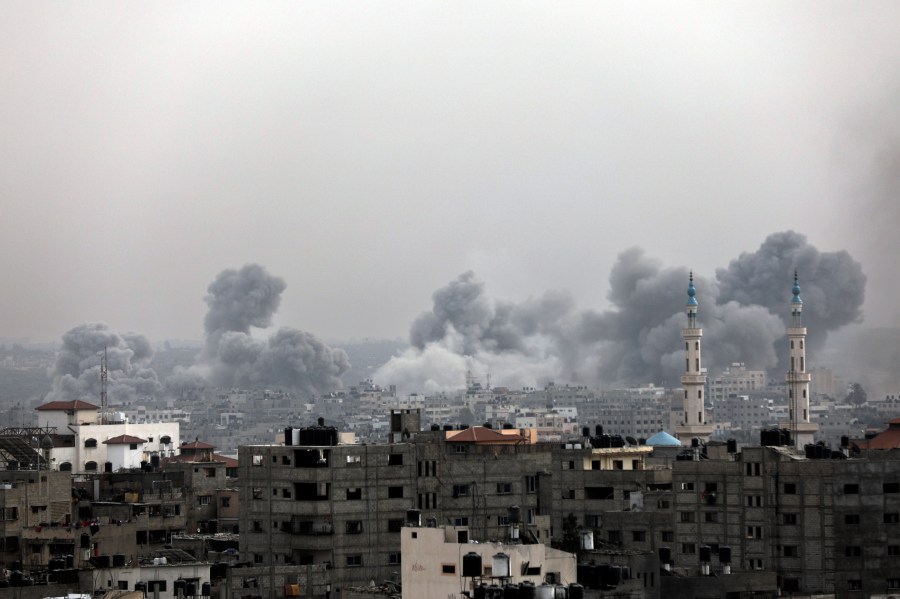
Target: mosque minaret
693, 424
797, 378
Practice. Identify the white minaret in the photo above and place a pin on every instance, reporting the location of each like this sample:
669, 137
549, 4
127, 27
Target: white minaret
693, 424
797, 378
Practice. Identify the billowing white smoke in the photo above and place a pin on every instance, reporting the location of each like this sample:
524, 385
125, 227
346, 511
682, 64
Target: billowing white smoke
638, 340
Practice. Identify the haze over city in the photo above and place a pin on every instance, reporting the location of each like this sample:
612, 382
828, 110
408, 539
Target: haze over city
368, 156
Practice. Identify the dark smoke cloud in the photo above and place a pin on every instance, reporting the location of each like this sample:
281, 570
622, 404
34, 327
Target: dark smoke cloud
76, 374
238, 300
248, 297
638, 339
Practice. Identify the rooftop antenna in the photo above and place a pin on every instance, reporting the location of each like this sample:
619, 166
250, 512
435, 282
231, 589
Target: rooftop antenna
103, 377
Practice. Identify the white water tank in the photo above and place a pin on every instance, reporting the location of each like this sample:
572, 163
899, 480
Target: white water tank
500, 565
587, 540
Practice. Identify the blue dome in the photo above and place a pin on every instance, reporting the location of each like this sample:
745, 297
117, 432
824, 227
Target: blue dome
663, 439
691, 291
796, 290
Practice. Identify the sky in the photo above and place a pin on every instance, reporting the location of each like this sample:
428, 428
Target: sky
370, 153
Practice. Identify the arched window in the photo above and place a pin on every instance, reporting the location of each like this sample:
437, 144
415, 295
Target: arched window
89, 443
165, 439
90, 466
65, 467
697, 345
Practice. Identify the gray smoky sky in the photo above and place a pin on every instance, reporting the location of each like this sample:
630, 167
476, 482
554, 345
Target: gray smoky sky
744, 310
369, 153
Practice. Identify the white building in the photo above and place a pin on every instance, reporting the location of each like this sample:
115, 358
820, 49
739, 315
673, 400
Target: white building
86, 442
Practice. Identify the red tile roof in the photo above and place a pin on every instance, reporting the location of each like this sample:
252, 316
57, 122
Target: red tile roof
124, 440
889, 439
75, 404
485, 436
189, 458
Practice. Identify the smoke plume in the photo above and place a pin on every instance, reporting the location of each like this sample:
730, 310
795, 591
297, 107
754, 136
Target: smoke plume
76, 374
249, 297
238, 301
743, 312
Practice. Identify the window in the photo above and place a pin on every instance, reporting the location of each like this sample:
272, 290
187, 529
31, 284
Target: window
686, 516
9, 513
394, 559
854, 584
90, 466
531, 484
711, 516
790, 488
502, 520
598, 493
789, 519
460, 490
395, 524
753, 500
461, 448
286, 493
65, 467
354, 527
668, 536
504, 488
90, 443
851, 489
754, 532
687, 486
789, 551
257, 460
593, 521
395, 492
354, 561
892, 518
395, 459
893, 583
354, 493
710, 487
851, 519
688, 548
891, 487
353, 460
638, 536
461, 521
204, 499
257, 493
132, 446
893, 550
614, 537
448, 569
257, 526
226, 501
852, 551
752, 469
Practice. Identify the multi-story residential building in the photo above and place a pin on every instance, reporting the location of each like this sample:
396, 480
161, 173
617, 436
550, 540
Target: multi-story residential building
735, 380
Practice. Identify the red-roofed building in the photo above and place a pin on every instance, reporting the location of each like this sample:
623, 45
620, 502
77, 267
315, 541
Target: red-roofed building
66, 413
480, 435
124, 451
888, 439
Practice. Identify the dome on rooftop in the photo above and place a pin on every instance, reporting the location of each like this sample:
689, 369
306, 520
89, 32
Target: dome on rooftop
663, 439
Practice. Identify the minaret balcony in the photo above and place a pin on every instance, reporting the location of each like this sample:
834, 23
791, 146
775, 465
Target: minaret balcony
796, 377
693, 379
691, 332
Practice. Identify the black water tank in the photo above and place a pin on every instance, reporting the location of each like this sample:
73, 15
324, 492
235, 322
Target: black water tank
614, 575
85, 542
731, 445
70, 561
140, 586
527, 590
103, 561
515, 514
598, 430
179, 586
321, 421
845, 441
435, 427
585, 431
206, 589
576, 591
471, 565
705, 553
810, 451
154, 460
695, 442
190, 589
287, 435
118, 560
665, 555
511, 591
487, 425
725, 554
448, 427
507, 426
414, 517
480, 591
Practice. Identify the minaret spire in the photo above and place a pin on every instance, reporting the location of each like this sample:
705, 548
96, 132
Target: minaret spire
797, 378
693, 424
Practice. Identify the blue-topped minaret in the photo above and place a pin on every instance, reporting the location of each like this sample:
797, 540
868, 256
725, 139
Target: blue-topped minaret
797, 378
693, 421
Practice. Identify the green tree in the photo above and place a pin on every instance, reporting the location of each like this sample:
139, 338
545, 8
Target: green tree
856, 395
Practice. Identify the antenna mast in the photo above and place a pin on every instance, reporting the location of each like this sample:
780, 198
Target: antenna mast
103, 398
